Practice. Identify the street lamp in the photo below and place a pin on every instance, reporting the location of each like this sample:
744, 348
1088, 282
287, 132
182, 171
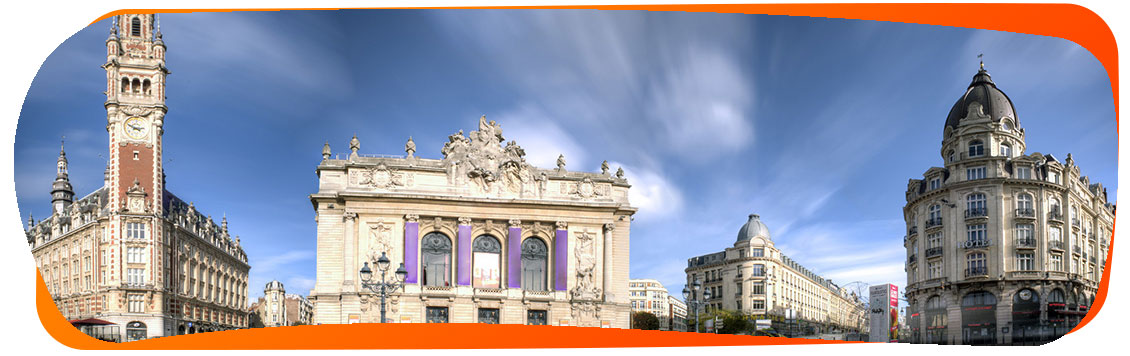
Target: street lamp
691, 296
382, 286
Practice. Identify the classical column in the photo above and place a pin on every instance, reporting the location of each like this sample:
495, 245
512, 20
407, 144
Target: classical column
561, 257
463, 276
607, 265
411, 240
349, 253
514, 254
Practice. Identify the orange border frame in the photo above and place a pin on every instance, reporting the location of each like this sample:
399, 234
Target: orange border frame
1071, 22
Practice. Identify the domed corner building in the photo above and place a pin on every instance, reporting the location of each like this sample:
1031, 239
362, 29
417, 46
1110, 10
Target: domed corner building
1003, 247
755, 279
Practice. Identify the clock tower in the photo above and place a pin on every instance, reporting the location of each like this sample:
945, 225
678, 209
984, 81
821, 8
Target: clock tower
135, 112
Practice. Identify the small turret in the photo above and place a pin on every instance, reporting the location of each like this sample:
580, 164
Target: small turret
326, 152
62, 194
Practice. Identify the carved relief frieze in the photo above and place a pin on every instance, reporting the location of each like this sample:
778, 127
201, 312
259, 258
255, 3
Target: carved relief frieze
585, 253
380, 239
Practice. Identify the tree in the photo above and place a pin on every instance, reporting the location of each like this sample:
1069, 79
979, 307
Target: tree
644, 321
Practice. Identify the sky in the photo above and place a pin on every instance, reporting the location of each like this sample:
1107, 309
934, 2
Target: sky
815, 124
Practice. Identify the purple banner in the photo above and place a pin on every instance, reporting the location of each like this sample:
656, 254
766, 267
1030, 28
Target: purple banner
464, 274
561, 260
514, 280
411, 239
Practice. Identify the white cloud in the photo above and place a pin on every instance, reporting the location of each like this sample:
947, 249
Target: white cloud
542, 138
651, 192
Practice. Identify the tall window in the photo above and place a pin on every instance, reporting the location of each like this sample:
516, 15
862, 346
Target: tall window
935, 183
950, 155
934, 240
436, 249
975, 205
1057, 262
757, 252
135, 276
136, 303
975, 232
1006, 150
135, 254
1024, 204
935, 214
135, 230
976, 148
534, 265
757, 288
972, 173
975, 264
1023, 172
1025, 261
135, 26
758, 270
1054, 234
935, 270
487, 262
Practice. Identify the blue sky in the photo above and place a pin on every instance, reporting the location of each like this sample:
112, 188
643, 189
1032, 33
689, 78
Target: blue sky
815, 124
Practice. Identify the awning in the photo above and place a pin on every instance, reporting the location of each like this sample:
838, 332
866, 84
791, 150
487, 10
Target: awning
91, 321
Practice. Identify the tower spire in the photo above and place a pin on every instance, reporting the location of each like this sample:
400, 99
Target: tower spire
981, 58
62, 193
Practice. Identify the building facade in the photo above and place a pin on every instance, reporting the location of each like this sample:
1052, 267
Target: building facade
484, 236
678, 313
271, 309
649, 296
999, 239
754, 278
299, 309
131, 252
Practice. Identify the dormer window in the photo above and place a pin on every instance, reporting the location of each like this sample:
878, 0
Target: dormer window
935, 183
1006, 150
976, 148
1023, 172
135, 27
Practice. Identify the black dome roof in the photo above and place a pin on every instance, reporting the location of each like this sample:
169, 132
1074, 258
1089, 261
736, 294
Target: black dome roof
993, 101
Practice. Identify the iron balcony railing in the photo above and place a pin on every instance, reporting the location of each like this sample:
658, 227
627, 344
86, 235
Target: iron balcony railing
912, 259
933, 222
913, 230
1026, 242
1055, 245
1076, 249
1075, 222
1055, 216
1025, 213
976, 213
934, 251
976, 243
976, 271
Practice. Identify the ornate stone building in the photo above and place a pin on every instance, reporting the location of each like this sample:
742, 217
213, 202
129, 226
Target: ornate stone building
272, 308
649, 296
131, 252
754, 278
1002, 247
484, 236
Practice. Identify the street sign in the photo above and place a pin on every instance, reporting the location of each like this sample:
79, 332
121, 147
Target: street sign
718, 323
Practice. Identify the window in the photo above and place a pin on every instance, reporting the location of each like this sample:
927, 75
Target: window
758, 270
487, 261
1024, 235
757, 288
536, 317
935, 183
135, 230
436, 315
934, 240
135, 254
135, 330
1025, 261
1053, 176
135, 26
1023, 172
136, 303
975, 232
973, 173
975, 264
935, 270
757, 252
534, 266
1006, 150
976, 148
935, 215
1054, 235
950, 154
488, 316
437, 260
135, 276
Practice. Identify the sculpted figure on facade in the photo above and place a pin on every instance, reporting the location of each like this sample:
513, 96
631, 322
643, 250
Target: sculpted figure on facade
380, 239
585, 252
482, 160
410, 147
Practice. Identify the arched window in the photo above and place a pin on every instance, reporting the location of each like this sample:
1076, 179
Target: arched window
975, 205
135, 26
976, 148
135, 330
125, 85
1054, 207
1006, 150
950, 155
934, 215
534, 264
436, 248
978, 299
145, 87
136, 86
487, 262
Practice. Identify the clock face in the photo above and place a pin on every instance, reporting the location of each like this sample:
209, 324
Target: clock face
1025, 294
136, 128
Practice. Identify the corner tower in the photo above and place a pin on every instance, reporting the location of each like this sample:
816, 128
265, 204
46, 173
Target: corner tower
135, 112
61, 192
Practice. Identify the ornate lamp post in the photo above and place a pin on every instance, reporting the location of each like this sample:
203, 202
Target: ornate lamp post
383, 285
694, 302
